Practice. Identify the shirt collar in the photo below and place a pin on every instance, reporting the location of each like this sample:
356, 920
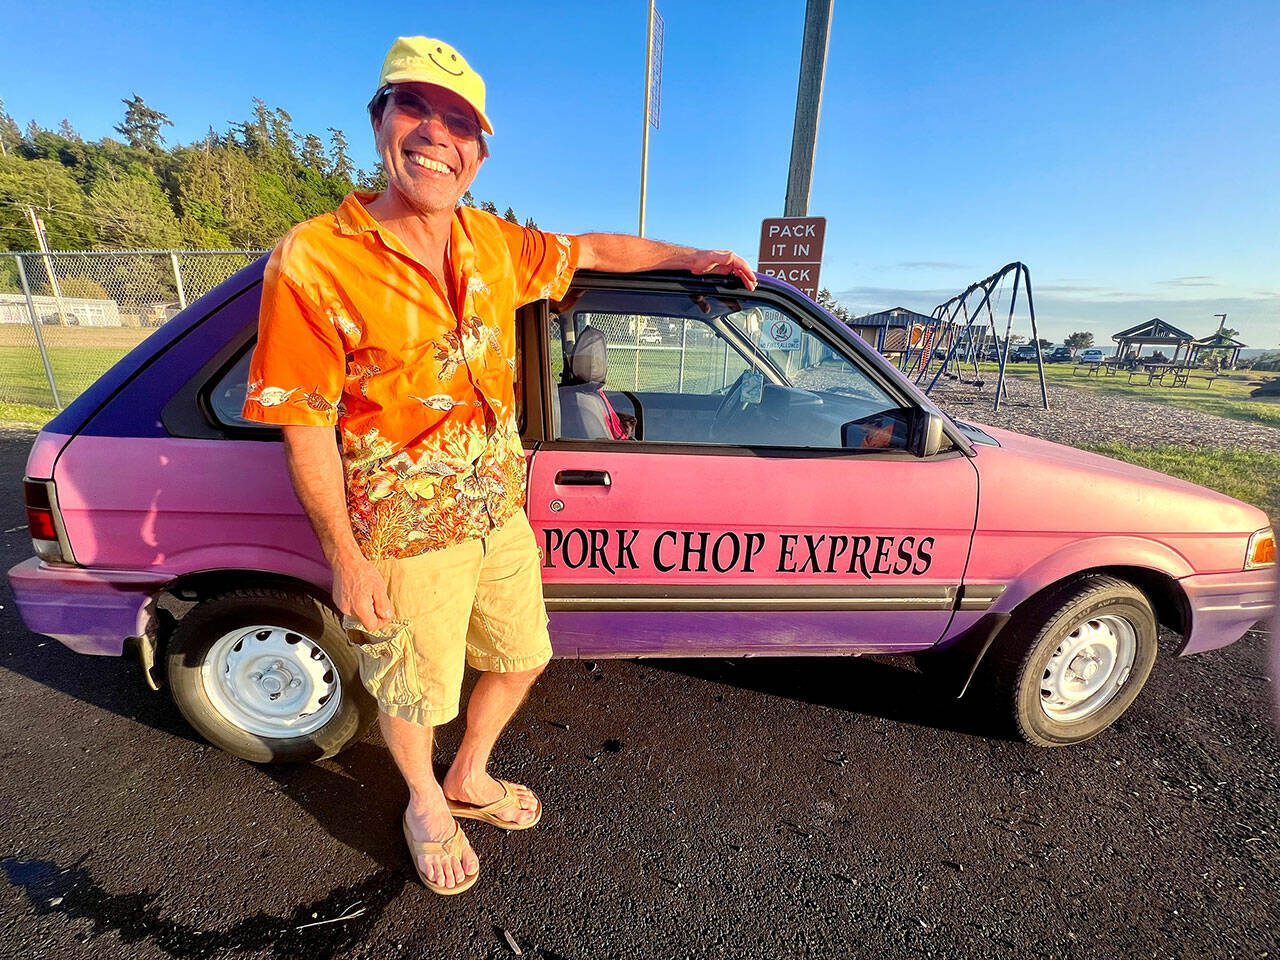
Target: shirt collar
353, 218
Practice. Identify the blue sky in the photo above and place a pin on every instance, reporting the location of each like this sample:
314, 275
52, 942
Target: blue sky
1126, 152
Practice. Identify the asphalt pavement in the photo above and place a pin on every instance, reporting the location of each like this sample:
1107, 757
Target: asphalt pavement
712, 808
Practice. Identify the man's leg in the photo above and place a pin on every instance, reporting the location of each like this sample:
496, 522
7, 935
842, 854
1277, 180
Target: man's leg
507, 641
493, 703
428, 815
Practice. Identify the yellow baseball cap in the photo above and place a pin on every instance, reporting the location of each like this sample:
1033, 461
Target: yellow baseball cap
424, 60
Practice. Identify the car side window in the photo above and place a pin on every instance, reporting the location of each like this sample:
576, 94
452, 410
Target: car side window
689, 368
227, 393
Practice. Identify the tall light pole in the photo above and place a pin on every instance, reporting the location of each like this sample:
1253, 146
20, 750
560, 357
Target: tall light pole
804, 137
648, 104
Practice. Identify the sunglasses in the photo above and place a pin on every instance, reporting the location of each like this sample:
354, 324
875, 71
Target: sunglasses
463, 126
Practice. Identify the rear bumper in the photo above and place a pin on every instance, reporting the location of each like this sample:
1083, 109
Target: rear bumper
1225, 605
90, 610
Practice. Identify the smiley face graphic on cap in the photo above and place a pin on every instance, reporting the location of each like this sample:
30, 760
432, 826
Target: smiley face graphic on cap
441, 51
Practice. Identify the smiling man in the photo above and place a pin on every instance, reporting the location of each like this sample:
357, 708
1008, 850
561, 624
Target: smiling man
393, 319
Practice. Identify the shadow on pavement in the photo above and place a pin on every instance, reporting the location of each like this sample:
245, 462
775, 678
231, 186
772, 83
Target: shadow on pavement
875, 688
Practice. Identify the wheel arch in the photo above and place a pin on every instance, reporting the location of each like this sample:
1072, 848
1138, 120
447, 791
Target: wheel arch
1163, 592
202, 585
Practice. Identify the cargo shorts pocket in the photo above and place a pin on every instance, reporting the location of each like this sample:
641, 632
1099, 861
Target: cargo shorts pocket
388, 667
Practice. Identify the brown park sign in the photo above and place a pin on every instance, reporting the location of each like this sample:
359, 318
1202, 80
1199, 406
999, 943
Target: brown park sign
791, 249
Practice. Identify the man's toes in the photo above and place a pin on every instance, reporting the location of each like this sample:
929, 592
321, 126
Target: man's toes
432, 871
470, 862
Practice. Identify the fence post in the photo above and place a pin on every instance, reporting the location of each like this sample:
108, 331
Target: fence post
177, 278
35, 325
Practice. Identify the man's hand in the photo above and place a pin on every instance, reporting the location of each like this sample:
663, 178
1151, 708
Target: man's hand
359, 591
617, 253
722, 261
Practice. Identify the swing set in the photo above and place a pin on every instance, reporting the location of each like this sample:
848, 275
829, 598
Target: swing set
965, 327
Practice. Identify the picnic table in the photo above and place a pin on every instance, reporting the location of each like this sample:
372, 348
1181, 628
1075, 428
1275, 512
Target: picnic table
1179, 374
1092, 368
1152, 371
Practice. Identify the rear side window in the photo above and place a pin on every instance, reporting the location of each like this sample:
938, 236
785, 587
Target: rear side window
227, 393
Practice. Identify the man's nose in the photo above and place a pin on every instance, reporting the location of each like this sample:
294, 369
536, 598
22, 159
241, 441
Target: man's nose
435, 129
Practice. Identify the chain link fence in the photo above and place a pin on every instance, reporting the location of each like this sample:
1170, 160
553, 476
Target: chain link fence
66, 317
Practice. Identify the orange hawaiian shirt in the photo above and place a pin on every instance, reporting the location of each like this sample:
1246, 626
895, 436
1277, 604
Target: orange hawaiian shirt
355, 331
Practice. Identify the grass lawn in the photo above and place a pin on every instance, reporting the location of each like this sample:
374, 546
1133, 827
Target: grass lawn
1227, 397
1248, 475
78, 355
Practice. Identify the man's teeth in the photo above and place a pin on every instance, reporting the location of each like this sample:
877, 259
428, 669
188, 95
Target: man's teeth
435, 165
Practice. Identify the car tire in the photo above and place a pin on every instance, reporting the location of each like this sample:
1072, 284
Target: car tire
1074, 660
269, 676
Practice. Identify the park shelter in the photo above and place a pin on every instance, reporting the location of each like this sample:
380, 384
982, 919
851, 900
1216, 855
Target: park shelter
1218, 341
1155, 333
888, 330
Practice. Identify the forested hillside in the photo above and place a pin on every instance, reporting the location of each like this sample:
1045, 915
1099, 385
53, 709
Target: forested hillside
242, 188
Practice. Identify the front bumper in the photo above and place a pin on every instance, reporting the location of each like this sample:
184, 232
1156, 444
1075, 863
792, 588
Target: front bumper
1226, 605
91, 610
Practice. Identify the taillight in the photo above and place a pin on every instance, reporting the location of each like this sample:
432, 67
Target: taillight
40, 521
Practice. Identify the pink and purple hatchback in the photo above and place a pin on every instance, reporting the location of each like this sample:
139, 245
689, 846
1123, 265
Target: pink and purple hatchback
781, 490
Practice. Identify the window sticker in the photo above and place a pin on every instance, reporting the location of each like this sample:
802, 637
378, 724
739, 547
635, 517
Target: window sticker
781, 334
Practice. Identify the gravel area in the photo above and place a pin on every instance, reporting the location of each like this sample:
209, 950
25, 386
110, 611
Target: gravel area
1082, 417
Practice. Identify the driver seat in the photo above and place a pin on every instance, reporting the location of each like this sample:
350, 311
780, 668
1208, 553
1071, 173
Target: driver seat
585, 411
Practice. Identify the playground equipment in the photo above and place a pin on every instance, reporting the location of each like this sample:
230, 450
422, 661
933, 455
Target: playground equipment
965, 326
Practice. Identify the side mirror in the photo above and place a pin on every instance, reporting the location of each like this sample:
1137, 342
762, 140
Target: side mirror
926, 433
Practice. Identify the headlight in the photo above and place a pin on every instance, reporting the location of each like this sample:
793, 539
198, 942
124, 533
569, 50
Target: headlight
1262, 550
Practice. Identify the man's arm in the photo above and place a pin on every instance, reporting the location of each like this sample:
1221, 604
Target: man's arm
618, 253
316, 471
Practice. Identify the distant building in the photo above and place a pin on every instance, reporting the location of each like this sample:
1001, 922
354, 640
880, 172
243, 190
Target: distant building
74, 311
888, 331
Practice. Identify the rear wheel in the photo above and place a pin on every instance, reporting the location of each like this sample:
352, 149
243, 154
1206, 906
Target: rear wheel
268, 675
1074, 660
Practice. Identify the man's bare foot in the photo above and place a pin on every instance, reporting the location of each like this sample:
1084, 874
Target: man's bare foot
437, 826
483, 790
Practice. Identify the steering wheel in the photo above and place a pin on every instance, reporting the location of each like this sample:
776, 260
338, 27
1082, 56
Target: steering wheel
732, 411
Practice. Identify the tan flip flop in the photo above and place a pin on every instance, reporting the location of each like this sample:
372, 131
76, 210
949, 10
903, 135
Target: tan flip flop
489, 811
451, 847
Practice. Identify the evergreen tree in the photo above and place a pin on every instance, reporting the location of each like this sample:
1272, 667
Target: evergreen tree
141, 126
488, 206
313, 157
510, 216
131, 210
68, 132
531, 224
468, 200
340, 164
10, 132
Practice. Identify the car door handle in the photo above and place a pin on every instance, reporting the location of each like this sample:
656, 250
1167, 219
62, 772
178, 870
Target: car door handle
583, 478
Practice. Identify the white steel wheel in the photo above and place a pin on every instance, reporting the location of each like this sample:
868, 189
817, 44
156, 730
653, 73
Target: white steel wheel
271, 681
268, 675
1088, 668
1073, 659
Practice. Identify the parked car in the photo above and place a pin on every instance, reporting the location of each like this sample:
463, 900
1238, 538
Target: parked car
1091, 355
1059, 355
1024, 353
786, 493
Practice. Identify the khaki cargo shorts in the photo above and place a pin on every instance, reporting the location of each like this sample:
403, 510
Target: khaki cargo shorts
478, 602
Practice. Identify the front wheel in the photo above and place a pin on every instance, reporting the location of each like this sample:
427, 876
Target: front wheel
1075, 660
269, 676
